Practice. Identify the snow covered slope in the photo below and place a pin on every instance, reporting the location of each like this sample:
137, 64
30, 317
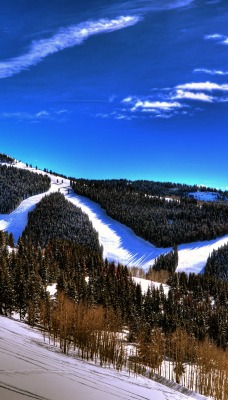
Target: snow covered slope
31, 369
205, 196
119, 242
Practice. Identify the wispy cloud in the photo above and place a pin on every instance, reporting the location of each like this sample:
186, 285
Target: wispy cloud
211, 71
127, 100
151, 106
114, 115
65, 38
143, 6
144, 107
181, 100
214, 36
219, 38
34, 117
186, 95
205, 86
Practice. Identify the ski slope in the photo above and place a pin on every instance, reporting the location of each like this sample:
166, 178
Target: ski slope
119, 242
32, 369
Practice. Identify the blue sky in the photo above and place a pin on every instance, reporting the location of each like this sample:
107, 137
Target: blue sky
117, 89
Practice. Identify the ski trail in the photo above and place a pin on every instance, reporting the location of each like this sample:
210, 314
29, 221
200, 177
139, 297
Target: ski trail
120, 243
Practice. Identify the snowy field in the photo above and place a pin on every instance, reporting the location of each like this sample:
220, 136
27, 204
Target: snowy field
120, 244
31, 369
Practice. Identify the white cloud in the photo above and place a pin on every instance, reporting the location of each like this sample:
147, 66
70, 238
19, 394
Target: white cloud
222, 39
211, 71
181, 94
65, 38
178, 101
42, 114
33, 117
64, 111
121, 116
127, 100
207, 86
162, 105
215, 36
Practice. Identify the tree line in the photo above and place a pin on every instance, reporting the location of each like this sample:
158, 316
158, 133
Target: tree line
153, 188
4, 158
18, 184
162, 222
217, 263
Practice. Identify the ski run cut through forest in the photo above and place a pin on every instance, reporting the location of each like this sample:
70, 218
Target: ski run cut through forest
120, 244
32, 367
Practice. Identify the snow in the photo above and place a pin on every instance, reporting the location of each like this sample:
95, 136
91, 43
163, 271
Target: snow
205, 196
52, 289
119, 242
31, 368
193, 256
145, 284
16, 221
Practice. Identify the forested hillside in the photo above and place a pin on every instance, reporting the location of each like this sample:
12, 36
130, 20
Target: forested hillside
6, 159
97, 301
193, 315
56, 218
153, 188
18, 184
163, 222
217, 263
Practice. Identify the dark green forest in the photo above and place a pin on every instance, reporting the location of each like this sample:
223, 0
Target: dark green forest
56, 218
217, 263
196, 303
6, 159
18, 184
162, 222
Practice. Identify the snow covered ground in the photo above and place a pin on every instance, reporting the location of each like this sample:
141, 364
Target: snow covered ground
145, 284
119, 242
31, 369
205, 196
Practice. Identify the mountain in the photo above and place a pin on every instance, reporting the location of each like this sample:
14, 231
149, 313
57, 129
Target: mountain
120, 244
100, 313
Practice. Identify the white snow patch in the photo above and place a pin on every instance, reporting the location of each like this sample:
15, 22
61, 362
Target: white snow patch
205, 196
193, 256
145, 284
52, 289
119, 242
